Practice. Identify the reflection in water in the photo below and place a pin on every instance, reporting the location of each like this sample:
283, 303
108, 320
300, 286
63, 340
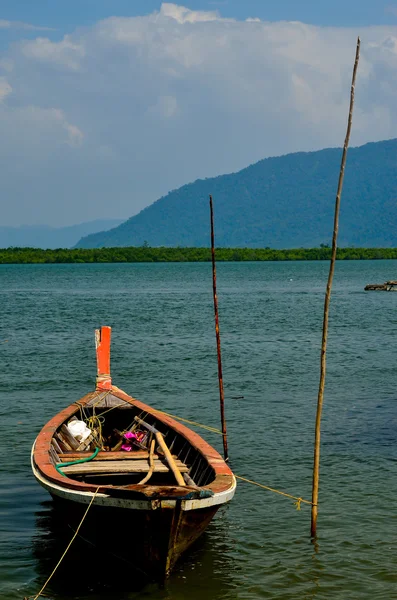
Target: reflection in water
86, 568
103, 571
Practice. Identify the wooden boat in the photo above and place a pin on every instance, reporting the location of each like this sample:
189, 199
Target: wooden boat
154, 484
388, 286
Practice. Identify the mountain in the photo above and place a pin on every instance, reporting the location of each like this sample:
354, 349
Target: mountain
43, 236
283, 202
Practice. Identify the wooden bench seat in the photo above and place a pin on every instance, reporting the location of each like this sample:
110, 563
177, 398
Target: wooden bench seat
134, 455
120, 466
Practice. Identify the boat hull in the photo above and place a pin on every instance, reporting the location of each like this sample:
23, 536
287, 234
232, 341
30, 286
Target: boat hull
150, 534
152, 541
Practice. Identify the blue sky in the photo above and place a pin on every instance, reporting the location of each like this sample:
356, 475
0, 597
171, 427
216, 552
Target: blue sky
106, 105
66, 14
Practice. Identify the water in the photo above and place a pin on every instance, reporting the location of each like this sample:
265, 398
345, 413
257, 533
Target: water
163, 352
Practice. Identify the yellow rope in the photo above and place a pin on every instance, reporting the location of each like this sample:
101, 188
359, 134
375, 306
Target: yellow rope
297, 499
207, 427
68, 546
109, 409
265, 487
95, 424
97, 395
81, 407
100, 399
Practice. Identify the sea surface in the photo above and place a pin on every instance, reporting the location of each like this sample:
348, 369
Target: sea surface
164, 353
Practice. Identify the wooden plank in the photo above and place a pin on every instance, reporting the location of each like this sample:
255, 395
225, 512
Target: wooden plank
83, 446
62, 442
87, 442
108, 401
122, 465
54, 455
73, 443
56, 446
134, 455
137, 466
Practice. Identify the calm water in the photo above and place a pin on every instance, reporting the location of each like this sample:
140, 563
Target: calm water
163, 352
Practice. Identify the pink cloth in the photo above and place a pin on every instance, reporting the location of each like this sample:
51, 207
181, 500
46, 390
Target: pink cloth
131, 438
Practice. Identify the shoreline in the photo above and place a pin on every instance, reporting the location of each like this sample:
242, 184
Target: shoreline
145, 254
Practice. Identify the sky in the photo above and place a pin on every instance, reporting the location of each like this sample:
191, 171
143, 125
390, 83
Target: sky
106, 105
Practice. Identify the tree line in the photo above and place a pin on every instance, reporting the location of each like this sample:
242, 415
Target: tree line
163, 254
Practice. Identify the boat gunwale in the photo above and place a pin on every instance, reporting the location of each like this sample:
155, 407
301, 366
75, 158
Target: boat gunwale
223, 479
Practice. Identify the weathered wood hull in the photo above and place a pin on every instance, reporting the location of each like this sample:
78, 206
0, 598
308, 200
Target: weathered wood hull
152, 541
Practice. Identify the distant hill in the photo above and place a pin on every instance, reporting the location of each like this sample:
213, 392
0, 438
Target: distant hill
284, 202
43, 236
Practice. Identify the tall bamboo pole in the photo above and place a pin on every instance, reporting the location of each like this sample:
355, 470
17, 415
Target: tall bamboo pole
316, 465
218, 337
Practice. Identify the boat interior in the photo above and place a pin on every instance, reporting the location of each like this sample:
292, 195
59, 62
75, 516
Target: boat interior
119, 445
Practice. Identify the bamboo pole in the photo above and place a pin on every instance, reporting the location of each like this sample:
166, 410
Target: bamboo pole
218, 338
169, 458
316, 465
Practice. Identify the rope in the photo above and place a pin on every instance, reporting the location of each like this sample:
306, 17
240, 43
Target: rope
207, 427
101, 395
82, 411
76, 462
67, 548
95, 424
265, 487
297, 502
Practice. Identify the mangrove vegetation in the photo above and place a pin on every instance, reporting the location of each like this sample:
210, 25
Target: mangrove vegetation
146, 254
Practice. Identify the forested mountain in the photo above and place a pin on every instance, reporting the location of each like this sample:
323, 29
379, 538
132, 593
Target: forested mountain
283, 202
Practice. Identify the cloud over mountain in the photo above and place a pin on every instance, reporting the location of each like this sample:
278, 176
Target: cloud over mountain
107, 119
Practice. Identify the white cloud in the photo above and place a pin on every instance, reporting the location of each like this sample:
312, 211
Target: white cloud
75, 135
65, 52
20, 25
185, 15
5, 88
114, 115
28, 130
